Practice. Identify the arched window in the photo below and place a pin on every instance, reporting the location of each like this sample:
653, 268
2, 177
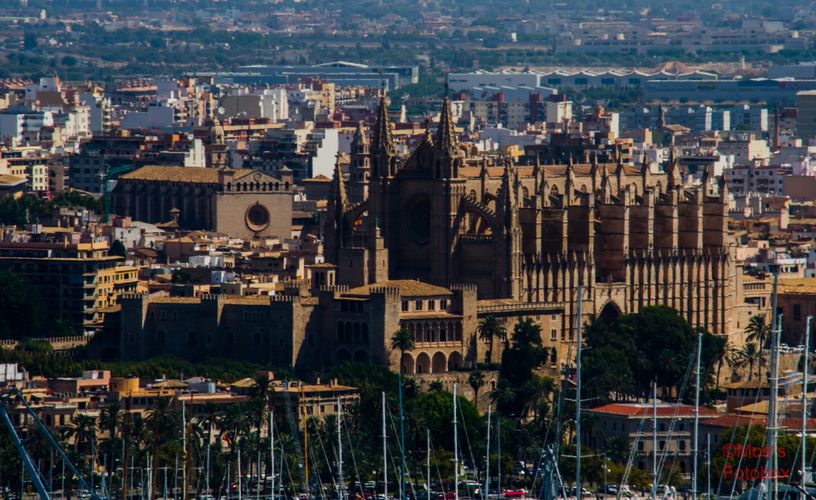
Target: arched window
364, 336
340, 332
191, 338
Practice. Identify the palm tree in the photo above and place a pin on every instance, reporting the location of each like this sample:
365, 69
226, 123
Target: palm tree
490, 329
404, 342
259, 399
476, 381
526, 334
110, 418
82, 431
749, 355
758, 331
163, 428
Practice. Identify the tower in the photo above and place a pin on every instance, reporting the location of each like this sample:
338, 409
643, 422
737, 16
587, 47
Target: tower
360, 167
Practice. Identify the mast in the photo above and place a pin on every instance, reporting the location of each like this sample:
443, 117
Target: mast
339, 448
306, 451
385, 451
272, 451
455, 450
498, 451
708, 461
696, 419
428, 459
184, 451
239, 470
804, 402
487, 466
578, 401
654, 440
773, 378
402, 438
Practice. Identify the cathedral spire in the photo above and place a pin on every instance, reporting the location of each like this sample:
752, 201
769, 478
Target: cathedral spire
339, 188
360, 139
446, 133
645, 172
673, 171
383, 141
620, 174
536, 175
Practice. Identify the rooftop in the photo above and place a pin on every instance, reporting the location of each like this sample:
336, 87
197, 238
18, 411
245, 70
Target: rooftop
646, 409
407, 288
181, 174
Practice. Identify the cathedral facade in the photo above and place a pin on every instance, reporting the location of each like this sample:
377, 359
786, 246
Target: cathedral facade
612, 236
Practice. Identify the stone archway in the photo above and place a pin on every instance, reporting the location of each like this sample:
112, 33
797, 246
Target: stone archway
455, 361
407, 364
423, 363
609, 312
439, 364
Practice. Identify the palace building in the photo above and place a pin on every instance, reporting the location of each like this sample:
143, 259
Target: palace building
242, 203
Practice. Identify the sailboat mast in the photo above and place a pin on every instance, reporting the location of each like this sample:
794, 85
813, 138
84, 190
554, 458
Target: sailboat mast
272, 452
184, 451
487, 460
428, 459
306, 451
804, 400
455, 450
696, 419
385, 451
654, 440
773, 482
578, 400
339, 448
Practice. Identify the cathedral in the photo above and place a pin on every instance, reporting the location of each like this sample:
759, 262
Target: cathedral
608, 235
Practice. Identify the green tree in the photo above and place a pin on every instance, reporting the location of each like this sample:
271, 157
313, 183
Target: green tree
476, 381
489, 330
758, 331
117, 248
19, 303
749, 355
403, 341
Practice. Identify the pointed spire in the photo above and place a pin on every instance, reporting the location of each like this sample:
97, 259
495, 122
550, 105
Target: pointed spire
446, 134
620, 173
360, 139
673, 172
536, 175
339, 188
383, 139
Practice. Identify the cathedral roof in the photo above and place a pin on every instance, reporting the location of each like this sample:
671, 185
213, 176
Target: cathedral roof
182, 174
408, 288
548, 170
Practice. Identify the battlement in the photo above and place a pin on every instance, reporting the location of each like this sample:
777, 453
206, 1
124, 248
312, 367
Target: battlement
387, 291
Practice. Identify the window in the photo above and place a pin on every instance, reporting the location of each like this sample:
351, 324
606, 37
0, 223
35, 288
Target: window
443, 304
681, 445
431, 305
640, 445
797, 312
553, 334
404, 305
662, 445
418, 305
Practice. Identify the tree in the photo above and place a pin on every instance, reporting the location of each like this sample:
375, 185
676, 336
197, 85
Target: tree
476, 381
490, 329
403, 341
118, 248
18, 301
749, 355
758, 331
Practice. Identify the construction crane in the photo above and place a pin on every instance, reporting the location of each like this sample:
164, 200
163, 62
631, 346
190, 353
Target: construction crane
110, 174
8, 397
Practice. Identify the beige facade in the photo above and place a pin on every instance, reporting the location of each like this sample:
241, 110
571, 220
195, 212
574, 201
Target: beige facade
535, 238
242, 203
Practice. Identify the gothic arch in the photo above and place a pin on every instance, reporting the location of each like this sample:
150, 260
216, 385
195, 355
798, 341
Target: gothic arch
407, 364
423, 363
439, 364
361, 356
610, 312
455, 361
